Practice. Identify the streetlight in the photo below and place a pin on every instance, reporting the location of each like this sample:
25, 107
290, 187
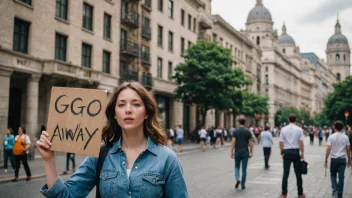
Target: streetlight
346, 115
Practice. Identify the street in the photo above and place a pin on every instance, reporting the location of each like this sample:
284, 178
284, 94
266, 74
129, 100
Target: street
210, 174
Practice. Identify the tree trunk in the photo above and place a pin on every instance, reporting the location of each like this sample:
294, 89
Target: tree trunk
234, 120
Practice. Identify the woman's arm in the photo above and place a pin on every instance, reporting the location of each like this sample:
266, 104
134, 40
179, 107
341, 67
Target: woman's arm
175, 185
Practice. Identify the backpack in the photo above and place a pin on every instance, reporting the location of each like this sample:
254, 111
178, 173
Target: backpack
104, 149
20, 145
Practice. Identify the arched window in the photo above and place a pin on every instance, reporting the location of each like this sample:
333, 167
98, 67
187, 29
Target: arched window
284, 51
337, 58
266, 79
338, 76
258, 40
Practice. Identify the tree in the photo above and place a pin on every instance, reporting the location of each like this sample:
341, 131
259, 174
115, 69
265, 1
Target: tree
281, 116
339, 102
253, 104
207, 79
321, 120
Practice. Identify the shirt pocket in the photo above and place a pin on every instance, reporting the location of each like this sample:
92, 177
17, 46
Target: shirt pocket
109, 182
152, 185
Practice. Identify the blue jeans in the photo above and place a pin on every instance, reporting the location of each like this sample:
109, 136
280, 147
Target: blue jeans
337, 166
8, 155
238, 160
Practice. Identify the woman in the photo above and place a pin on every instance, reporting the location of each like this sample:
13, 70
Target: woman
203, 137
20, 151
138, 164
9, 141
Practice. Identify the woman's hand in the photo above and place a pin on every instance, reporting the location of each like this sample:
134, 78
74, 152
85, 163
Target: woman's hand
43, 145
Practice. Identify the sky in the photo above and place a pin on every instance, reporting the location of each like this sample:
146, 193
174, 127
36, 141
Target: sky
310, 22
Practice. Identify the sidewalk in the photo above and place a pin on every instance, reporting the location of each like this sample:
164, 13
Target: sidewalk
37, 165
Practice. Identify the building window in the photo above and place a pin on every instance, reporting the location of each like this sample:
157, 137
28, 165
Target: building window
87, 16
160, 35
86, 55
123, 39
215, 37
171, 9
182, 45
284, 51
194, 24
106, 62
148, 3
107, 26
20, 36
160, 5
266, 69
231, 49
171, 41
266, 92
60, 47
221, 41
337, 58
123, 67
29, 2
160, 68
344, 57
266, 79
170, 70
61, 9
189, 21
182, 17
338, 76
258, 40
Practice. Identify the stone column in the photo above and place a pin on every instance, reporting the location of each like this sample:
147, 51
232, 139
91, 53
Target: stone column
5, 76
32, 110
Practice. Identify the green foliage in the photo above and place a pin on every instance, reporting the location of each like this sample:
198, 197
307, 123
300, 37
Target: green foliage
252, 104
281, 116
321, 120
339, 101
207, 78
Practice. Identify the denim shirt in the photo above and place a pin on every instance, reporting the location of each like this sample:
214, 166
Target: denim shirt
9, 142
157, 172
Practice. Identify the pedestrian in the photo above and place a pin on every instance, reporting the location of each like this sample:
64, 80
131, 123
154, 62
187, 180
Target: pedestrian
267, 141
339, 148
219, 135
9, 141
291, 143
257, 134
311, 136
20, 151
320, 136
70, 156
241, 140
203, 137
327, 134
179, 138
137, 165
170, 137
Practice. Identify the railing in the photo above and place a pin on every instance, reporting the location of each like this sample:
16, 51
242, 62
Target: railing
147, 80
130, 18
148, 3
128, 75
130, 48
145, 56
146, 32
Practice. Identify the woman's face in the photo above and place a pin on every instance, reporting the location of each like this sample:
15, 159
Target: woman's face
8, 132
130, 111
20, 131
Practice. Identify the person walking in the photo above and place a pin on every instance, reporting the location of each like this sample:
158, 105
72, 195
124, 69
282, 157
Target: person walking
20, 151
320, 136
179, 138
311, 136
339, 148
170, 137
267, 142
9, 141
219, 136
291, 143
70, 156
203, 137
241, 140
137, 164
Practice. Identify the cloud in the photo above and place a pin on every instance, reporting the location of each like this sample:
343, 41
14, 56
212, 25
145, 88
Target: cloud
327, 10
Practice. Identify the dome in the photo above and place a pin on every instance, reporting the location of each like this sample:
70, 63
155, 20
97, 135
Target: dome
286, 39
259, 12
338, 37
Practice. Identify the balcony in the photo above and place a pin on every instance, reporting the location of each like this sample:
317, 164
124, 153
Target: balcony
130, 18
146, 32
128, 75
147, 5
147, 80
132, 1
129, 48
205, 21
145, 56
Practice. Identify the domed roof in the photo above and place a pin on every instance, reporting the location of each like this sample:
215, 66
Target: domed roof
286, 39
259, 12
338, 37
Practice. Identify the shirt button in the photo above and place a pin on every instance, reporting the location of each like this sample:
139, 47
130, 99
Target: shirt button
105, 177
129, 192
154, 181
136, 167
123, 162
123, 173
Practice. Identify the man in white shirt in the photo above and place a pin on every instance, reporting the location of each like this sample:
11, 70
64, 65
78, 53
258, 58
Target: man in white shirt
339, 148
179, 138
291, 143
267, 141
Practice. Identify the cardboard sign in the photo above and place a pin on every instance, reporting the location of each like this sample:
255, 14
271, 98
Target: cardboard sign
75, 120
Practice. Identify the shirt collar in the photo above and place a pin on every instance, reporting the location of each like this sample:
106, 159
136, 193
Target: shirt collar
151, 146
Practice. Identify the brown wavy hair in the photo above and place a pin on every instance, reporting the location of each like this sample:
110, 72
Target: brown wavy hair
152, 127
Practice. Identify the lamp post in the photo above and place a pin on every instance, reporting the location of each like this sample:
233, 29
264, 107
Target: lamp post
346, 116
